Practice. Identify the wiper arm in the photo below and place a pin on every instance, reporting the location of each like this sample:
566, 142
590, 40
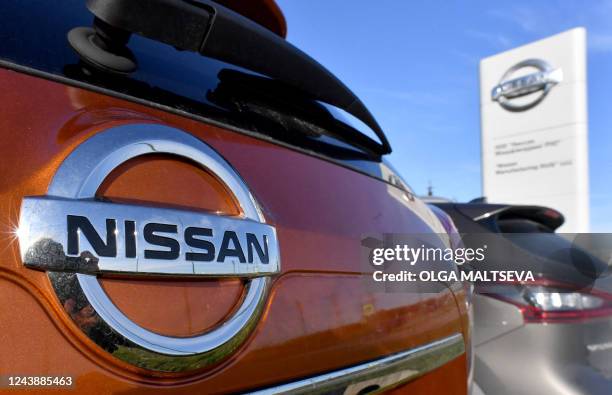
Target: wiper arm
217, 32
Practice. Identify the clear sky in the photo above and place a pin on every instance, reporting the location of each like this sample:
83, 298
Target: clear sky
415, 65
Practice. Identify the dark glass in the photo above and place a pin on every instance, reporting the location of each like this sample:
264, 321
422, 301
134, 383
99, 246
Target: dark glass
33, 34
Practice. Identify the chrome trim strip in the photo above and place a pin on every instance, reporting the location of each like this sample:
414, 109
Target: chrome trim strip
381, 374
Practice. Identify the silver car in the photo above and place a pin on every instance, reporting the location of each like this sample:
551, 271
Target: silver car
552, 335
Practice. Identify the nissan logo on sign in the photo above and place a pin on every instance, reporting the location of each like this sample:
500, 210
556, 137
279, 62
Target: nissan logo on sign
517, 91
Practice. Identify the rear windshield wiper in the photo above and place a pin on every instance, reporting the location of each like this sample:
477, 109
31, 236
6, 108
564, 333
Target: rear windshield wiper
217, 32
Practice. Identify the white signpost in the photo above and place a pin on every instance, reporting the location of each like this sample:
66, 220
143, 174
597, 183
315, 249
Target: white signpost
533, 102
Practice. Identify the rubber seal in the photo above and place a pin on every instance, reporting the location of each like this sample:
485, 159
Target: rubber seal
80, 39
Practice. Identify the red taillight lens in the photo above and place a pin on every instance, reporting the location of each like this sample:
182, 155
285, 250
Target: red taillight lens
545, 301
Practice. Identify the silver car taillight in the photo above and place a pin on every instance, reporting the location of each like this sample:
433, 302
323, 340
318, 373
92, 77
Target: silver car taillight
545, 301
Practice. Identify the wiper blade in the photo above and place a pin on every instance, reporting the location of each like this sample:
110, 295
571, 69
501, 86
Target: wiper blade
286, 106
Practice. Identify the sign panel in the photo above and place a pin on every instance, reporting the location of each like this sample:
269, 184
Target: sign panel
533, 102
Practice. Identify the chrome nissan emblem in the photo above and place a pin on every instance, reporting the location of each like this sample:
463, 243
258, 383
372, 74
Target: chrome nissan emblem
538, 83
75, 238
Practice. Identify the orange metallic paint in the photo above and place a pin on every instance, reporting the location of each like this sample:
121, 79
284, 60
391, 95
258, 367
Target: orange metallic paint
189, 307
320, 316
432, 384
156, 178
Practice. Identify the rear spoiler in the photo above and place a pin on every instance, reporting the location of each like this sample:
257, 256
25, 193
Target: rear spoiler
214, 31
492, 213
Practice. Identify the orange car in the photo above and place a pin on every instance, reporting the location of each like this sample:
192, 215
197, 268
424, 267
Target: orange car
183, 200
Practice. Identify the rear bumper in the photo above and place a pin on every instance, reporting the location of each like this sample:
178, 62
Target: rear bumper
548, 359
